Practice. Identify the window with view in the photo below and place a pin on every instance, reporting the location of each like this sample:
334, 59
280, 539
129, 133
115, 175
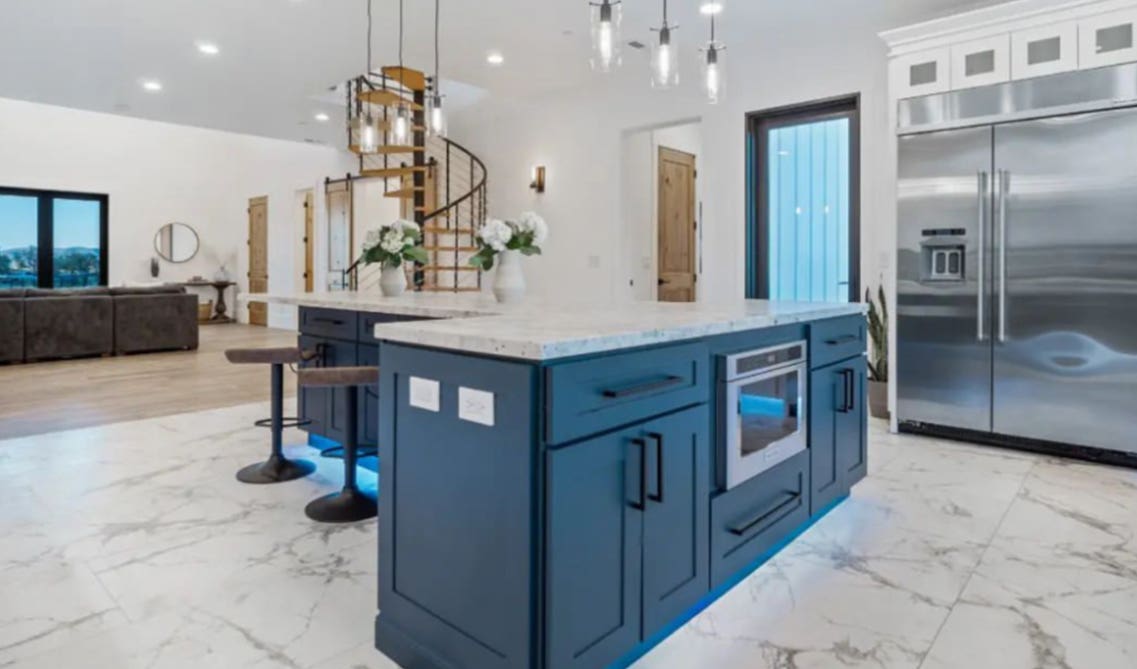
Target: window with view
52, 239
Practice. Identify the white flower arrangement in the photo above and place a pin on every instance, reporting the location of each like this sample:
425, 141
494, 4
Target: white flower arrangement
391, 244
496, 236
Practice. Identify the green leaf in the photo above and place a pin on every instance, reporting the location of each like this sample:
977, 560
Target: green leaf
531, 251
417, 254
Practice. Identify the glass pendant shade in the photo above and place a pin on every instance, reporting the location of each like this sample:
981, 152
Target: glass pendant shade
401, 127
436, 116
665, 61
713, 79
366, 134
605, 20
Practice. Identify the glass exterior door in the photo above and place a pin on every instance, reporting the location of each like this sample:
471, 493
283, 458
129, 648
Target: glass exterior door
52, 239
76, 252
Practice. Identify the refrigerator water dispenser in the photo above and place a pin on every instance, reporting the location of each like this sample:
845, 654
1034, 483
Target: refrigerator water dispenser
943, 255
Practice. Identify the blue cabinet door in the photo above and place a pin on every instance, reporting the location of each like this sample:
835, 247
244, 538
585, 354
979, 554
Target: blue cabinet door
676, 572
368, 434
852, 445
312, 403
837, 434
596, 493
326, 407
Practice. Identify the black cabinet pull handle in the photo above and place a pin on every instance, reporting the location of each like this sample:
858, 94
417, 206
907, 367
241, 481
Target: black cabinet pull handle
641, 504
642, 388
782, 505
330, 321
845, 339
658, 496
851, 393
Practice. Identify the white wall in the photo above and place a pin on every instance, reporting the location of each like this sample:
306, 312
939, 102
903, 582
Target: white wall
578, 135
156, 173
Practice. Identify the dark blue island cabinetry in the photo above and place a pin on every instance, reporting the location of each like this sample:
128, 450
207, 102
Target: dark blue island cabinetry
569, 513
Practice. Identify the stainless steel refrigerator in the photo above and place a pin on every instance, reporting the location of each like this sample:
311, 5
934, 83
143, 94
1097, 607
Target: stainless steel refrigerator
1017, 265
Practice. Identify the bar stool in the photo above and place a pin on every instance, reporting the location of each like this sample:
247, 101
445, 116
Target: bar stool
350, 504
277, 469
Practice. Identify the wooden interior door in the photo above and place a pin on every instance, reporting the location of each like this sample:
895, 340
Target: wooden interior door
677, 226
258, 258
309, 241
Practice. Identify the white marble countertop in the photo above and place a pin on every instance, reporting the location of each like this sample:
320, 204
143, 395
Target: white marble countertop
539, 330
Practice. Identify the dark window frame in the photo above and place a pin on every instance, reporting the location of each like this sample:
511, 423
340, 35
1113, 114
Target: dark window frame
758, 125
46, 228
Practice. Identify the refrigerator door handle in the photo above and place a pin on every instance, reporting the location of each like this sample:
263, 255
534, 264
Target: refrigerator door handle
984, 199
1004, 190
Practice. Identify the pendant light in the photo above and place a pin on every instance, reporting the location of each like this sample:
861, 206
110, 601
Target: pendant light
605, 18
712, 67
401, 125
364, 128
665, 56
436, 115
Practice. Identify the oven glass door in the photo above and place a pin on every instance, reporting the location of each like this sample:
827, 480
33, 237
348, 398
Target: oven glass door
768, 420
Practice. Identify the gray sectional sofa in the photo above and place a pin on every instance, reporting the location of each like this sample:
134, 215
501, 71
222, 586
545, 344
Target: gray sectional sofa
48, 324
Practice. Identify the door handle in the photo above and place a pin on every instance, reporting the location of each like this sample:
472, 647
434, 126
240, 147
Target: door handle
658, 496
851, 390
642, 388
845, 339
1004, 191
981, 301
782, 505
641, 503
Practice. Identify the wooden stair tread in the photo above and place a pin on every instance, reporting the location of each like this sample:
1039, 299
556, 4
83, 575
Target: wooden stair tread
411, 79
391, 149
388, 172
434, 230
460, 249
405, 193
388, 99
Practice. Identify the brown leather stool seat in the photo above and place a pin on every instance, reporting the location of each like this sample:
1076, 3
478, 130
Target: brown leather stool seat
277, 468
350, 504
285, 355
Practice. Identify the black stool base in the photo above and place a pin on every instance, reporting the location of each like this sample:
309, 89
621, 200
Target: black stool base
346, 506
275, 470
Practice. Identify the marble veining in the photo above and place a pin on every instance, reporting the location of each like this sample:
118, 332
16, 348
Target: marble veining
537, 330
144, 552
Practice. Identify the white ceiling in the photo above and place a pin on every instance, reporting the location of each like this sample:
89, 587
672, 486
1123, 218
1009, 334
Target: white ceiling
279, 57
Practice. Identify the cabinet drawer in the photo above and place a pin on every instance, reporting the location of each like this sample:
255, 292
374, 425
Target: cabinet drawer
333, 323
367, 323
836, 339
748, 521
596, 395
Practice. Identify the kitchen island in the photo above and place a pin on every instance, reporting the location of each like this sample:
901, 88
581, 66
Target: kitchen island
561, 486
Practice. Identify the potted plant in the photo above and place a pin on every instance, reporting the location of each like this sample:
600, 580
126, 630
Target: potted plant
878, 356
510, 240
389, 246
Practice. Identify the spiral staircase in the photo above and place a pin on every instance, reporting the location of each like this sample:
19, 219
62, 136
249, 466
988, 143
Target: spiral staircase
440, 184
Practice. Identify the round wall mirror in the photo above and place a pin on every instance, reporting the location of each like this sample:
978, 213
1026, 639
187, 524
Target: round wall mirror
176, 242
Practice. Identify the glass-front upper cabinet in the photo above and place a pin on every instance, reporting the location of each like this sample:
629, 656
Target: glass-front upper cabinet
1109, 39
981, 62
922, 73
1045, 50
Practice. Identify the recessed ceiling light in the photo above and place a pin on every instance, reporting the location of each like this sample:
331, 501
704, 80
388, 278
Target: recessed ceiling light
495, 58
152, 85
208, 48
322, 117
710, 8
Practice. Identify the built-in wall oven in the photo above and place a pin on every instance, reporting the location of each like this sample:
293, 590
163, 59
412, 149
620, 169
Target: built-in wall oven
763, 401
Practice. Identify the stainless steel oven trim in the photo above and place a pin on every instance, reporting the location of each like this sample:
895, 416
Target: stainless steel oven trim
732, 373
737, 470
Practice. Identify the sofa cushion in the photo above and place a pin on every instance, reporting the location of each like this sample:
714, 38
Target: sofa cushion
68, 327
148, 290
13, 293
11, 330
71, 292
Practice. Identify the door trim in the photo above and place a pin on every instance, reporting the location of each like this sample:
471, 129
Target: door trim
758, 124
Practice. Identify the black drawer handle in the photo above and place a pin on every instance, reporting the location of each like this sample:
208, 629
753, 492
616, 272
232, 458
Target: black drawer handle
643, 388
330, 321
641, 489
783, 503
846, 339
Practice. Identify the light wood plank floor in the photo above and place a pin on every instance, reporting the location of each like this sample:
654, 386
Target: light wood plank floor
62, 395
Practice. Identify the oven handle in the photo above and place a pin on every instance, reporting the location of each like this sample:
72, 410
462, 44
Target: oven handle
642, 388
779, 505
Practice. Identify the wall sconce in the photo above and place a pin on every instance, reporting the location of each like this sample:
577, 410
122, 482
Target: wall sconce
538, 183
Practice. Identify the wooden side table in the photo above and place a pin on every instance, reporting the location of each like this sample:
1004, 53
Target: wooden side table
219, 309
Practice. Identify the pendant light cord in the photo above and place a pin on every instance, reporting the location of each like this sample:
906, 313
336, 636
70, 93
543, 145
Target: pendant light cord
712, 29
665, 13
367, 69
436, 80
400, 34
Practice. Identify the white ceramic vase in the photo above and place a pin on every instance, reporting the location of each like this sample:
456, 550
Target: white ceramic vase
509, 280
393, 281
